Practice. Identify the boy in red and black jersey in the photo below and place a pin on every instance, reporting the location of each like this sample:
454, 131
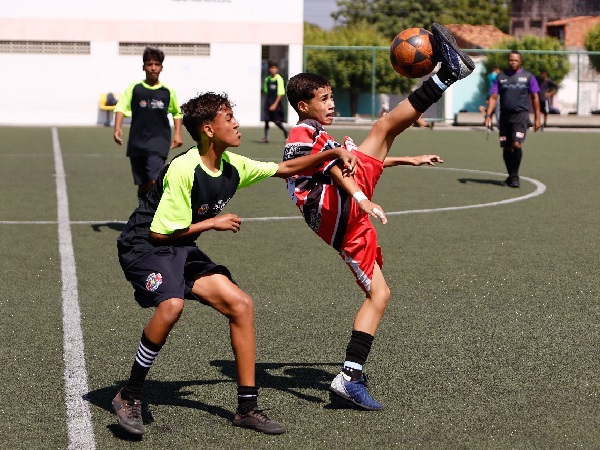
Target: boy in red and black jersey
337, 208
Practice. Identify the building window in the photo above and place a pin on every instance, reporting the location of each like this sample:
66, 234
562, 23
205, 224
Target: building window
556, 32
136, 48
535, 24
45, 48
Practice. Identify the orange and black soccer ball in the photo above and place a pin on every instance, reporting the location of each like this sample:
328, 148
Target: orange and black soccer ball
412, 54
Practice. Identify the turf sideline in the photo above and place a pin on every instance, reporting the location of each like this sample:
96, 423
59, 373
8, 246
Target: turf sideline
79, 418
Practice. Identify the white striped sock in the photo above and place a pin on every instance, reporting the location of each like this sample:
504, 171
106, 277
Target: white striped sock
145, 357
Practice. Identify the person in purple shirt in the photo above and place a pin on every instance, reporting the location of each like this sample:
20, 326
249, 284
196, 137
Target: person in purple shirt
518, 90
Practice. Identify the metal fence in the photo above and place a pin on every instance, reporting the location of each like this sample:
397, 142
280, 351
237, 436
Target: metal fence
580, 92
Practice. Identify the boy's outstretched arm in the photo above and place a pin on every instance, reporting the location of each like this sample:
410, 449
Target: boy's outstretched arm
222, 222
349, 185
297, 165
430, 160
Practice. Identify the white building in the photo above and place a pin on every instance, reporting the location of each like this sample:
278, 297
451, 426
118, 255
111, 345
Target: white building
58, 57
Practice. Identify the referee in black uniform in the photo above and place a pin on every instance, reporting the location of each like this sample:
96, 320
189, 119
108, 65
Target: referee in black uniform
517, 88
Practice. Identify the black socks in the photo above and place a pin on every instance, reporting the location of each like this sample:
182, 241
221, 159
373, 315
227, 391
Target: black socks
356, 354
145, 356
432, 89
247, 399
512, 160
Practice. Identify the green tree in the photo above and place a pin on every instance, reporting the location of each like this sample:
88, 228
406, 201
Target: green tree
557, 65
352, 70
392, 16
592, 44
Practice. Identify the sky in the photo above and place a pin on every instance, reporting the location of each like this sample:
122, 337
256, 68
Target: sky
319, 12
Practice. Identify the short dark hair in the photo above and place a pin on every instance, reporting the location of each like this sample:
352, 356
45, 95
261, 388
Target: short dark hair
201, 109
302, 87
153, 54
272, 63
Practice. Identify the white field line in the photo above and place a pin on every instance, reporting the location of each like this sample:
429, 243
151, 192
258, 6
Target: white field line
79, 418
540, 188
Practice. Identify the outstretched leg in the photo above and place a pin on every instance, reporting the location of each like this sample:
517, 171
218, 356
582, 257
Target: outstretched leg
351, 382
220, 293
127, 404
455, 65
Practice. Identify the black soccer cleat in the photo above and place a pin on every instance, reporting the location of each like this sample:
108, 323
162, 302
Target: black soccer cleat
456, 64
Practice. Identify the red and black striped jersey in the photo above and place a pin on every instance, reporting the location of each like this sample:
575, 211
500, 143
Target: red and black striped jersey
324, 206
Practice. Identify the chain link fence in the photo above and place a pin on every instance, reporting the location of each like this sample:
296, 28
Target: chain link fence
579, 91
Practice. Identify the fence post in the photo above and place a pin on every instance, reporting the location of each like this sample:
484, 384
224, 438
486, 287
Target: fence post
373, 84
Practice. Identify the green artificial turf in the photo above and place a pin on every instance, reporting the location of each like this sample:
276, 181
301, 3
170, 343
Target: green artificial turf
490, 339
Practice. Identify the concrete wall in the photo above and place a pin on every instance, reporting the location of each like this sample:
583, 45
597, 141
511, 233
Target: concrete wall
43, 89
579, 92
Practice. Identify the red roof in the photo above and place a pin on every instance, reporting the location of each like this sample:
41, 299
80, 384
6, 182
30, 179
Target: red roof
570, 20
574, 29
476, 36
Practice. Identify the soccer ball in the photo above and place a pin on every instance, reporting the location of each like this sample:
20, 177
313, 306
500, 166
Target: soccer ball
411, 53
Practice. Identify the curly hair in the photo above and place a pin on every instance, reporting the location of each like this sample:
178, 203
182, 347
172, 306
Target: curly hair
153, 54
201, 109
302, 87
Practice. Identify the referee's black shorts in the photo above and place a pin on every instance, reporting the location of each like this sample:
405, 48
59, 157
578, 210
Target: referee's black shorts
513, 127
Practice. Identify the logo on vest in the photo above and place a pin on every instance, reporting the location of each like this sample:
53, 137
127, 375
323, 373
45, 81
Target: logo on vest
157, 104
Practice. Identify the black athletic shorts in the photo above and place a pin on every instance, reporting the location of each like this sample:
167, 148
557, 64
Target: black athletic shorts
170, 272
146, 168
545, 106
513, 127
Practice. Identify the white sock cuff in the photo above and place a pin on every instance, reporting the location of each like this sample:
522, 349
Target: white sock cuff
353, 365
439, 82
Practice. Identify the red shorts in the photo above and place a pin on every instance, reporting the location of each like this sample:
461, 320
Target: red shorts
360, 250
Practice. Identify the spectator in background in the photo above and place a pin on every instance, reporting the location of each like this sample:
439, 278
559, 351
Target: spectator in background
490, 81
148, 103
274, 89
547, 90
492, 77
516, 88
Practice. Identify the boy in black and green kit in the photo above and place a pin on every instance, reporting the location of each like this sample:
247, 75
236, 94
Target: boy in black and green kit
158, 252
148, 103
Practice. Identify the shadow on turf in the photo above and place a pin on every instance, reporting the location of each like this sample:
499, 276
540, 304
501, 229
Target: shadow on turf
291, 378
173, 393
286, 377
117, 226
481, 181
